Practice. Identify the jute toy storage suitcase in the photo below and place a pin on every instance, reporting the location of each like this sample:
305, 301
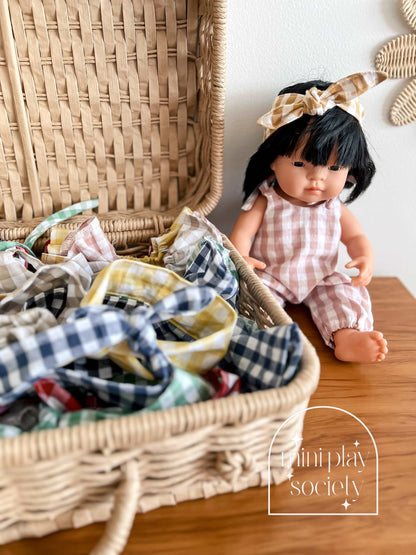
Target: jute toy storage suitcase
123, 101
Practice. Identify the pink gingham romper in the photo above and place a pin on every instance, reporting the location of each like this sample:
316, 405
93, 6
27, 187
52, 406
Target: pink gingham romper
299, 245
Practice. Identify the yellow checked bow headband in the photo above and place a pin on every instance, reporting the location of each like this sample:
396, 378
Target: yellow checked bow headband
343, 93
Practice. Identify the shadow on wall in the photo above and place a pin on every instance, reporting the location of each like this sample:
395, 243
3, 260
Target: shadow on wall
242, 138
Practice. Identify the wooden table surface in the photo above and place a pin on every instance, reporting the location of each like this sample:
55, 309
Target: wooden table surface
382, 395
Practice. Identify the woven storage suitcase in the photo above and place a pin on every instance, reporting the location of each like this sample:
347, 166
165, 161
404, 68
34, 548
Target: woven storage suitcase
123, 101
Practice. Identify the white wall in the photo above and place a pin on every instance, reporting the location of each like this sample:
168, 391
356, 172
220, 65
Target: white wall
273, 43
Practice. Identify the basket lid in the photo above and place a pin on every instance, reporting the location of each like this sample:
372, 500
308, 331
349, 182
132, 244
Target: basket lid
123, 102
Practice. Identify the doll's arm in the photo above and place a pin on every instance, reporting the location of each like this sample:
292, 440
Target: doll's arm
245, 229
358, 247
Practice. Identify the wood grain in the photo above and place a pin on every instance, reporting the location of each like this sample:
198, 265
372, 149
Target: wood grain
382, 395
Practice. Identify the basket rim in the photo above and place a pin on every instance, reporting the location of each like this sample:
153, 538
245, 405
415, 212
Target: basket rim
135, 429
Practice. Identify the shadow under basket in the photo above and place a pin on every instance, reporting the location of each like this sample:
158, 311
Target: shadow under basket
124, 102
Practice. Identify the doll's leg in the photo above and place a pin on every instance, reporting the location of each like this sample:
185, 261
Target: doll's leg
342, 314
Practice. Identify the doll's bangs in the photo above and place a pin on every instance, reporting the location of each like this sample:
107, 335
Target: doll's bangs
319, 136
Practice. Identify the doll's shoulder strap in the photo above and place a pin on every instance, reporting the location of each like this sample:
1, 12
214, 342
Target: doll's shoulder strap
263, 189
335, 205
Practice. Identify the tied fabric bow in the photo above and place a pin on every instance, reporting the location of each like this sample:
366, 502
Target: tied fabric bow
93, 331
343, 93
210, 328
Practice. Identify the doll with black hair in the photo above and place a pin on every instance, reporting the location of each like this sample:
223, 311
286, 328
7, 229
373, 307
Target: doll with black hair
292, 220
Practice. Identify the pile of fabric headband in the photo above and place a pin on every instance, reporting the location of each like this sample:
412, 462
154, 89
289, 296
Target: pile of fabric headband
87, 335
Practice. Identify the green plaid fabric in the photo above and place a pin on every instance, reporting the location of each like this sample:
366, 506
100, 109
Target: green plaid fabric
184, 389
5, 245
57, 218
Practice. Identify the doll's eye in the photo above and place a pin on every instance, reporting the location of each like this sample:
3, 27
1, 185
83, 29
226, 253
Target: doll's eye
334, 168
298, 164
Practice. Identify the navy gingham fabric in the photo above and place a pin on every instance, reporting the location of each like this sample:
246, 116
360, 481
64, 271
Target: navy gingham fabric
263, 358
210, 264
124, 303
103, 368
86, 333
53, 300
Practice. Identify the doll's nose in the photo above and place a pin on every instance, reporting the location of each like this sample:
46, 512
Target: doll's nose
316, 173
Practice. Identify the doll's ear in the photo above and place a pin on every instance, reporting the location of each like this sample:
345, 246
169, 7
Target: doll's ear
350, 181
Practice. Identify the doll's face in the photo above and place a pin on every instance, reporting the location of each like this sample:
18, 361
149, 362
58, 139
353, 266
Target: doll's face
305, 183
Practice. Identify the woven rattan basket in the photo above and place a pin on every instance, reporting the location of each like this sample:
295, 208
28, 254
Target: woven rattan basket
124, 101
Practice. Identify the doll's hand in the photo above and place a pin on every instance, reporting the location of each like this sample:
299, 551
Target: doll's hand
254, 263
363, 264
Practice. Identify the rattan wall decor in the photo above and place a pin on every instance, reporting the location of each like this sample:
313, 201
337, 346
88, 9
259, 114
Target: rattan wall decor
398, 59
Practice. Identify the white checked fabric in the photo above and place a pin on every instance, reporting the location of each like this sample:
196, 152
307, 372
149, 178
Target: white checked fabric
13, 270
22, 324
75, 275
299, 245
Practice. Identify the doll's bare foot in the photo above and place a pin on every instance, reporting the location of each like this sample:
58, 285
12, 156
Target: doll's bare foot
359, 346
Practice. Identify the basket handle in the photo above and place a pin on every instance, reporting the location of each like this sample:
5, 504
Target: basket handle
118, 527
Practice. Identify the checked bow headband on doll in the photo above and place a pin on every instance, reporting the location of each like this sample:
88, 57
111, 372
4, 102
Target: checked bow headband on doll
343, 93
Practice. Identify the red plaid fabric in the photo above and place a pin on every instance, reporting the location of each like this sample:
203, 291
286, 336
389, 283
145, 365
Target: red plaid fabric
224, 383
55, 396
91, 241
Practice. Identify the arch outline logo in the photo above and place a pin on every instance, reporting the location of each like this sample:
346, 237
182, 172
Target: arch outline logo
296, 439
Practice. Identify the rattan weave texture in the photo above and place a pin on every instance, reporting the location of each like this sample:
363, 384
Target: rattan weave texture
398, 59
115, 100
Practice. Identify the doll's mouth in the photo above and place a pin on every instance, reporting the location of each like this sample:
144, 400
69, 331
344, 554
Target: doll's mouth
314, 190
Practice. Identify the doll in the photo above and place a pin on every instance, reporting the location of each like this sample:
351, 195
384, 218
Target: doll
292, 219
